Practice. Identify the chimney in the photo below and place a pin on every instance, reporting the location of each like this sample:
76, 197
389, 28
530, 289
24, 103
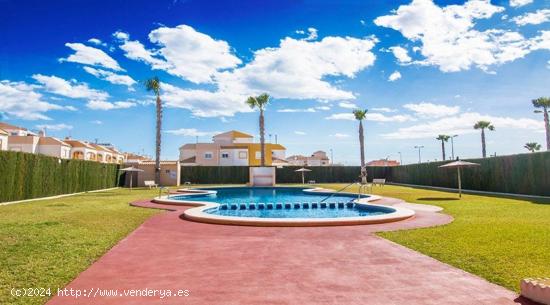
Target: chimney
42, 133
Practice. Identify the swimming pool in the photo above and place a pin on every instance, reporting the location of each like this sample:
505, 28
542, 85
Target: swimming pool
283, 202
282, 206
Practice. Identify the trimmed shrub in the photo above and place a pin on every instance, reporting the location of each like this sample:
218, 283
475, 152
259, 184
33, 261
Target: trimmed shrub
517, 174
26, 176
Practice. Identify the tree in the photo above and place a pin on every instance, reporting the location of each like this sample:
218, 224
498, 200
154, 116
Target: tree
544, 104
260, 102
153, 84
360, 115
483, 125
532, 146
443, 138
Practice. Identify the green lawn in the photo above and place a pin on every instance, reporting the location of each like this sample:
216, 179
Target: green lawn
48, 243
502, 240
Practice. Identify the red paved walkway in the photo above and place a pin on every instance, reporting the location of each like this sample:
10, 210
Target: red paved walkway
251, 265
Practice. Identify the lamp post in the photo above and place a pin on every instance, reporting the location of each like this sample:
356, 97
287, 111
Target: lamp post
400, 158
453, 146
419, 156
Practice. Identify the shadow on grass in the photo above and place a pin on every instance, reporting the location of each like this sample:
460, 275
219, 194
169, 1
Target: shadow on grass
437, 199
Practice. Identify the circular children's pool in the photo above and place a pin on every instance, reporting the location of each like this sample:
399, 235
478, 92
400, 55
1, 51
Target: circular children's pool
282, 206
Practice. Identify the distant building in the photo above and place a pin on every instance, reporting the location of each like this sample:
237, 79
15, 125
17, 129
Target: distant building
383, 163
232, 148
318, 158
3, 139
134, 158
54, 147
15, 130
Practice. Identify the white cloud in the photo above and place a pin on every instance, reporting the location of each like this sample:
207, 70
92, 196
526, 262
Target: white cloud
326, 107
96, 122
183, 52
311, 34
204, 103
340, 135
401, 54
341, 116
374, 117
111, 77
538, 17
384, 109
297, 69
97, 42
19, 99
65, 88
55, 127
394, 76
191, 132
121, 35
379, 117
518, 3
311, 109
429, 110
91, 56
462, 124
447, 36
105, 105
300, 133
347, 105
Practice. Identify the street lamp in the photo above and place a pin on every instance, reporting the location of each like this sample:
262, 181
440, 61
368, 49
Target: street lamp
400, 158
453, 146
419, 157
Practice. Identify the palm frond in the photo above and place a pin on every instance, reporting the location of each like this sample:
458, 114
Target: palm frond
360, 114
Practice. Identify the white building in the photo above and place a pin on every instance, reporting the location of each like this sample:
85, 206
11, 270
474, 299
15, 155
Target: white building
81, 150
318, 158
54, 147
3, 139
232, 148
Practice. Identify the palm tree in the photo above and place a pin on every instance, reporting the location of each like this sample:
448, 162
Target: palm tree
260, 102
443, 138
483, 125
360, 115
544, 103
532, 146
153, 84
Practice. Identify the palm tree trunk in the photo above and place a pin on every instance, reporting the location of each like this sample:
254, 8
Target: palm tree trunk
158, 141
547, 127
362, 147
443, 149
262, 138
483, 150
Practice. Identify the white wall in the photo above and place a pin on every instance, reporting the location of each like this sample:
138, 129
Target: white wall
4, 142
233, 158
280, 154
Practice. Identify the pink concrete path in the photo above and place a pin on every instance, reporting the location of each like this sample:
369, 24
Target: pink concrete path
221, 264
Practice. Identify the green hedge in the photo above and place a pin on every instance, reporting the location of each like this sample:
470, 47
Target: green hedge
239, 174
25, 176
214, 174
517, 174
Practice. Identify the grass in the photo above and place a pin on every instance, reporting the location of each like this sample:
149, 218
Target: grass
48, 243
500, 239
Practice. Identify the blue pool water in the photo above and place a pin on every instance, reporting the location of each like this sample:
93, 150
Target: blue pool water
283, 202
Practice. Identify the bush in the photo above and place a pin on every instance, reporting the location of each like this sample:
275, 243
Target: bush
26, 176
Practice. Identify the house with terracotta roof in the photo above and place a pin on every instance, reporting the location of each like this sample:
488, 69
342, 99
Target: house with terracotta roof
232, 148
318, 158
383, 163
26, 143
13, 130
54, 147
81, 150
4, 139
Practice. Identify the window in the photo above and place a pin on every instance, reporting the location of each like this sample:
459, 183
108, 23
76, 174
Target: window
225, 155
258, 155
243, 155
208, 155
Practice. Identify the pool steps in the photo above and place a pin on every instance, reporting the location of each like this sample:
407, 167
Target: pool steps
286, 205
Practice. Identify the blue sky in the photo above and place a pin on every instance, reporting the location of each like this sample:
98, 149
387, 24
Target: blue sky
422, 68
